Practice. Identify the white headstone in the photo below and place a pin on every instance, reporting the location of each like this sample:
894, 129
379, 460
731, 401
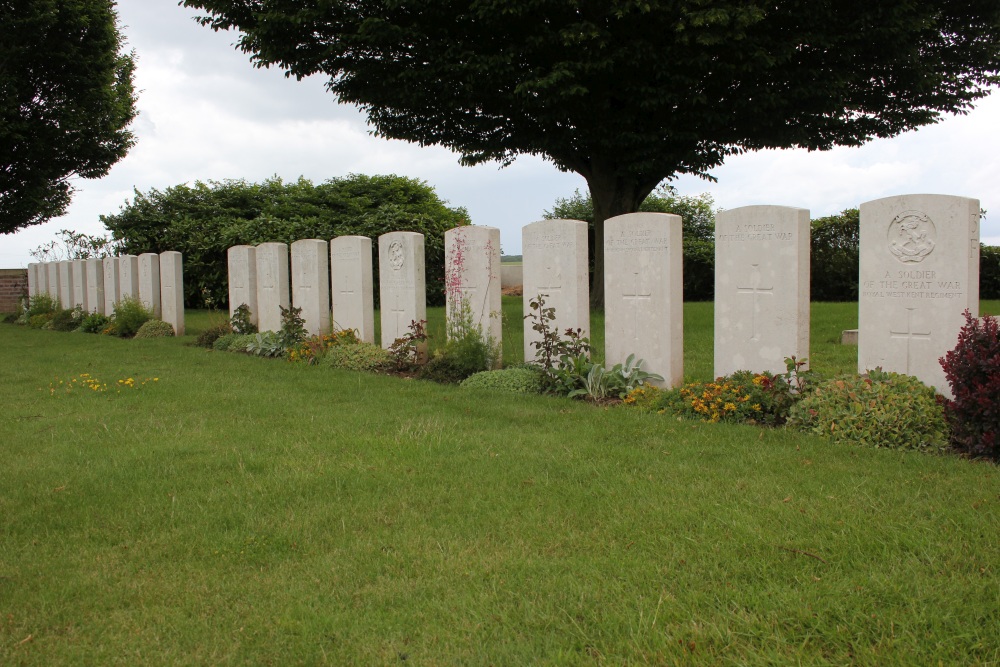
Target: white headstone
311, 283
32, 279
172, 290
555, 265
644, 293
472, 280
95, 285
54, 273
149, 282
42, 275
402, 293
761, 288
66, 283
112, 273
272, 284
919, 271
351, 285
243, 279
128, 277
80, 283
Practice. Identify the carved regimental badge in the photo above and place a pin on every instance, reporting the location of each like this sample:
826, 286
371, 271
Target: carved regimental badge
396, 255
912, 236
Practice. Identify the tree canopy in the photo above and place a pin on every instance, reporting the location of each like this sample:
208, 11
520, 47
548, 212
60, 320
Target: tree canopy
628, 93
66, 101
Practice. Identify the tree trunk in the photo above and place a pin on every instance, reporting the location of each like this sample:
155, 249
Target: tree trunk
611, 195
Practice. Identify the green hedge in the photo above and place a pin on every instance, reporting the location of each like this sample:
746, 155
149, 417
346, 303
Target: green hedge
204, 220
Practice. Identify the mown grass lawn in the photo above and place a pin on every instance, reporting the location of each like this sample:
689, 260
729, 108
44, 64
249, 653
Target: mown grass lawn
246, 511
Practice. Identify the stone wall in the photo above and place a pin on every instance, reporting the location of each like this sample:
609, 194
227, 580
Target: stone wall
13, 286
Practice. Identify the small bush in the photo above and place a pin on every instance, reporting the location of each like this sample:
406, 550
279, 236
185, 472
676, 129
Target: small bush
10, 318
314, 348
129, 315
265, 344
233, 342
241, 322
882, 410
66, 319
514, 380
208, 337
94, 323
39, 321
743, 397
973, 372
155, 329
366, 357
293, 327
40, 304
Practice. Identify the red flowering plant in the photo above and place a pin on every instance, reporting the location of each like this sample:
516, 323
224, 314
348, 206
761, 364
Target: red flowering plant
973, 373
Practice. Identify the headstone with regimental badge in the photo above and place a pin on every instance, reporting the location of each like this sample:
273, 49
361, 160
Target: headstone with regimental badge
94, 268
172, 290
919, 271
351, 285
242, 263
272, 284
112, 283
311, 283
149, 282
472, 282
402, 286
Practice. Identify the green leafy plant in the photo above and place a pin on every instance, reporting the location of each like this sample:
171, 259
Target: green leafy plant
66, 319
129, 314
408, 350
241, 321
265, 344
211, 334
522, 380
94, 323
314, 348
41, 304
600, 383
365, 357
293, 327
882, 410
39, 321
233, 342
743, 397
155, 329
973, 372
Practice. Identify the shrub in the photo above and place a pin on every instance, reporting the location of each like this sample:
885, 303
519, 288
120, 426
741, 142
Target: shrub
834, 244
293, 327
515, 380
94, 323
314, 348
881, 410
155, 329
973, 372
743, 397
233, 342
129, 315
39, 321
208, 337
367, 357
40, 304
265, 344
67, 319
989, 272
205, 219
240, 320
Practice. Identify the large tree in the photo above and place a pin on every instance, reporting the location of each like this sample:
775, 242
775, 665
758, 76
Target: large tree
66, 101
628, 93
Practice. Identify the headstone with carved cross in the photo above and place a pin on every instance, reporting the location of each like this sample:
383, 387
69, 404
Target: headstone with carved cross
272, 284
149, 282
555, 266
919, 272
112, 283
761, 288
643, 293
172, 290
402, 292
128, 277
311, 283
472, 282
80, 283
94, 268
66, 283
351, 285
242, 270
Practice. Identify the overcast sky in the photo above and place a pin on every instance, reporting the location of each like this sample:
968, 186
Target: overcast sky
207, 114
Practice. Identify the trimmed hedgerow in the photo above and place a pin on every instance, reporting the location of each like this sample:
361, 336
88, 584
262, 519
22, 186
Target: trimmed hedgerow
881, 410
973, 372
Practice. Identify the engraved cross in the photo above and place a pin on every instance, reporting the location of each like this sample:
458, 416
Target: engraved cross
756, 290
634, 297
909, 335
400, 312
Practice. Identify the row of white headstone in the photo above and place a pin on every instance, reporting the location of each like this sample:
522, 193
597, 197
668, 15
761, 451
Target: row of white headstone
95, 285
919, 272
